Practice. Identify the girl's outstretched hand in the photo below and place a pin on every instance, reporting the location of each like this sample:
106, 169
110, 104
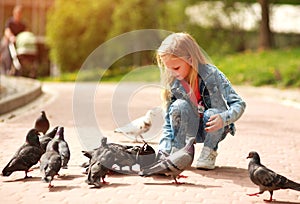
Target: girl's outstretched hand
214, 123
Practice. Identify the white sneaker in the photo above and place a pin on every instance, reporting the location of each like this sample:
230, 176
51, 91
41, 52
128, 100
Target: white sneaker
207, 159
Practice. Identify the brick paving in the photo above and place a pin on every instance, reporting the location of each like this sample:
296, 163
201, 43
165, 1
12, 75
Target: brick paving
270, 126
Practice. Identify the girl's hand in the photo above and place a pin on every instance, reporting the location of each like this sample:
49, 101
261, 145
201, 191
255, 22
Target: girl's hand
214, 123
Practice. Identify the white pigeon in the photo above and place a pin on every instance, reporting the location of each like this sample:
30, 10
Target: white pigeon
139, 126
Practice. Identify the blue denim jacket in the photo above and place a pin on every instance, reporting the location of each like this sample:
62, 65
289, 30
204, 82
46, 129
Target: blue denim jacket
216, 92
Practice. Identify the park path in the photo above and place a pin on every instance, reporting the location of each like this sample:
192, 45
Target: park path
270, 125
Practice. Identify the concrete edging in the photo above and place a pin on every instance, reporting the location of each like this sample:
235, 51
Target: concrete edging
27, 90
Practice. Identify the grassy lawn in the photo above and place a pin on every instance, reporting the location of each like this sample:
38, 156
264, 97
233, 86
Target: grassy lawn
275, 67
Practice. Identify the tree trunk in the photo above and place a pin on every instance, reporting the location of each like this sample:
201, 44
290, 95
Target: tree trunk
265, 35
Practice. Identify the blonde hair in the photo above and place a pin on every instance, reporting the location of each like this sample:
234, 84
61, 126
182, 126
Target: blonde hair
184, 46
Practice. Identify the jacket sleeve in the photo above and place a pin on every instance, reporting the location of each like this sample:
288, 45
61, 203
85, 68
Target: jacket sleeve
236, 105
165, 143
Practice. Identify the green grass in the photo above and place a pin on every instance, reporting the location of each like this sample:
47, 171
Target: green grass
275, 67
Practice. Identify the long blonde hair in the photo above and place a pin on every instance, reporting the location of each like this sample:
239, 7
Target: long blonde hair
184, 46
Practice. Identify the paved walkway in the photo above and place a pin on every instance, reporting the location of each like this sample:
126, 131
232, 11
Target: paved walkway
270, 126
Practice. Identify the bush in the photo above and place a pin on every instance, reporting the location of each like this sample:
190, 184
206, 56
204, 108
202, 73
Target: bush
74, 30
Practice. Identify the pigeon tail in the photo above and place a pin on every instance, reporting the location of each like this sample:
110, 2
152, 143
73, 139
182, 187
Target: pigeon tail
292, 185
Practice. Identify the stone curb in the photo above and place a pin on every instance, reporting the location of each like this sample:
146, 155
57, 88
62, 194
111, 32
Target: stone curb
27, 90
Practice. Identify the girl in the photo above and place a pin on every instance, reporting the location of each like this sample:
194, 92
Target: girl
200, 101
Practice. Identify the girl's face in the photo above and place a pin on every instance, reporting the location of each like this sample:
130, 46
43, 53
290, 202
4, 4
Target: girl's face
179, 67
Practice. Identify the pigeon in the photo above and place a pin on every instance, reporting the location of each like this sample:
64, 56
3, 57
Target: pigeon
125, 155
63, 147
27, 155
93, 154
101, 162
45, 139
42, 123
50, 163
146, 156
266, 179
173, 164
139, 126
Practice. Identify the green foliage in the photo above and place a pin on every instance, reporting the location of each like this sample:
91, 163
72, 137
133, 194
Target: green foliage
274, 67
75, 28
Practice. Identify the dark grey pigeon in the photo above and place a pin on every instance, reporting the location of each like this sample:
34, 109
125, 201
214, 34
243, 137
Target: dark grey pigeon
266, 179
125, 155
27, 155
63, 147
101, 162
94, 154
173, 164
42, 123
45, 139
50, 163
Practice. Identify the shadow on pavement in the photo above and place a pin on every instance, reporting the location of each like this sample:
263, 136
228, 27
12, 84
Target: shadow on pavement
239, 176
184, 184
61, 188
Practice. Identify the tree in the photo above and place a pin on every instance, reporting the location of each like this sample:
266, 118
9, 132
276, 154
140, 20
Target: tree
265, 34
75, 28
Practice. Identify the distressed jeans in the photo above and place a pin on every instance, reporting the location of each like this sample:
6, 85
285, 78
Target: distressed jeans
182, 123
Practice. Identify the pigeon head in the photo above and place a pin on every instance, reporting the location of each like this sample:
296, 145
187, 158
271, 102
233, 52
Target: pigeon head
43, 113
103, 141
53, 132
60, 133
254, 156
32, 137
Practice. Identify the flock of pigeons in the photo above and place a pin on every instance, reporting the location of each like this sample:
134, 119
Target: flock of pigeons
53, 153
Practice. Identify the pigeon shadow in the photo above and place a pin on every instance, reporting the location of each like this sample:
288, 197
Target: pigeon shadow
284, 202
131, 142
184, 184
29, 179
239, 176
110, 185
62, 188
69, 177
171, 182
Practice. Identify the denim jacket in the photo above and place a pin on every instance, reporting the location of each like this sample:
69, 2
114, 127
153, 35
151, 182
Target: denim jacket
216, 92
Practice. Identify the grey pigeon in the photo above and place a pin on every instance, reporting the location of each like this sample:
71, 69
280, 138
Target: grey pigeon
266, 179
139, 126
173, 164
63, 147
101, 162
124, 155
94, 154
42, 123
50, 163
27, 155
45, 139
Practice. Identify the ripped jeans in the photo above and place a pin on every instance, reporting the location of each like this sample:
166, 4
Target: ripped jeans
182, 123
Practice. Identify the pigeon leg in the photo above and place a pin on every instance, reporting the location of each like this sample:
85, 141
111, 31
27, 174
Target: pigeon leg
50, 186
181, 176
103, 181
26, 176
254, 194
271, 197
177, 182
143, 140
